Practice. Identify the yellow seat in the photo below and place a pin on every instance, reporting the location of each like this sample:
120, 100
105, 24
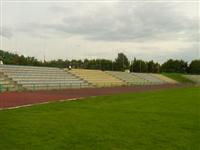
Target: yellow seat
97, 78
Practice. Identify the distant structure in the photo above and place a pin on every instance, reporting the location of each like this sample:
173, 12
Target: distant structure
1, 62
127, 70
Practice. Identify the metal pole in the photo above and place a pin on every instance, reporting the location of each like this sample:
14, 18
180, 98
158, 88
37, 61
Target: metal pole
112, 65
1, 88
132, 66
123, 64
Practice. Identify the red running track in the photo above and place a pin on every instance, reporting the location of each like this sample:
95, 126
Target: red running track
16, 99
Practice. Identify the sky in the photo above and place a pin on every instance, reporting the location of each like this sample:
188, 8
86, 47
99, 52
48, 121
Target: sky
146, 29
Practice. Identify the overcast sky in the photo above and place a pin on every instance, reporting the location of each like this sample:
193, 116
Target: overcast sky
158, 30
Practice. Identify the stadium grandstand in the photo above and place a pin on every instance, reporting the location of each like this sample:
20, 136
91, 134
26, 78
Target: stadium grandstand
17, 78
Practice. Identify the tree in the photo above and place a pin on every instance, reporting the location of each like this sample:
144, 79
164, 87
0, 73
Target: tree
106, 64
77, 63
85, 63
153, 67
138, 66
171, 65
121, 62
10, 58
194, 67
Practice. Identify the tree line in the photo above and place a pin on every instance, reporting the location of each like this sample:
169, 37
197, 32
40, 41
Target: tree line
121, 63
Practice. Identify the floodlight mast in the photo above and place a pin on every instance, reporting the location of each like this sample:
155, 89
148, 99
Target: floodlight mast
123, 63
112, 65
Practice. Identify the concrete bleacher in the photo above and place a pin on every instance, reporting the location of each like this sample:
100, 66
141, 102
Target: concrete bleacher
97, 78
7, 84
36, 78
14, 78
194, 78
150, 78
129, 78
164, 78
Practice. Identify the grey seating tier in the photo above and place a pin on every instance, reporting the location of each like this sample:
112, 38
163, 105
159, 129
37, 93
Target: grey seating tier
150, 78
128, 78
42, 77
6, 85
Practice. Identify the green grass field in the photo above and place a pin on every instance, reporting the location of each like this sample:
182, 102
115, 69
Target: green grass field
178, 77
159, 120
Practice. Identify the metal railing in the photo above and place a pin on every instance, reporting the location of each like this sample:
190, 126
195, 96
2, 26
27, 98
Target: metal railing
61, 86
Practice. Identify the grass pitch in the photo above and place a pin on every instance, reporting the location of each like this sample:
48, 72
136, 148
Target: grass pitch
159, 120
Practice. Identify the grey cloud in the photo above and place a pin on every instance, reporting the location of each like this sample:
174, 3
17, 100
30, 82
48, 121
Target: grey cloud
41, 30
189, 53
6, 32
91, 30
129, 22
120, 22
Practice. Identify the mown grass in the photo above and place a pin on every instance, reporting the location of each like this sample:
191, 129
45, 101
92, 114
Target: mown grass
159, 120
178, 77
